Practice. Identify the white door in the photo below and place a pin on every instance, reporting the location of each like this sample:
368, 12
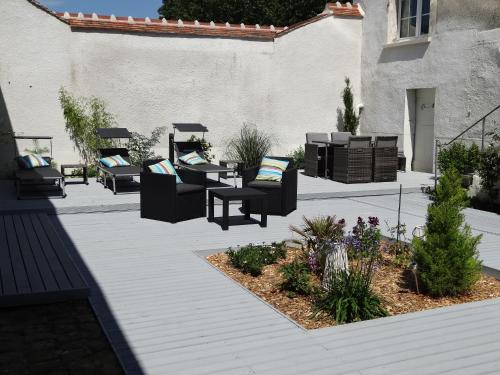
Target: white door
423, 145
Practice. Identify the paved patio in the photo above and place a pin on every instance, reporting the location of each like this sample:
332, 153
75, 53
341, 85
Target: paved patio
167, 311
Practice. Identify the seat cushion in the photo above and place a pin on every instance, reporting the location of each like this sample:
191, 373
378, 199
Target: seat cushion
193, 158
114, 161
165, 167
264, 184
32, 161
188, 188
271, 169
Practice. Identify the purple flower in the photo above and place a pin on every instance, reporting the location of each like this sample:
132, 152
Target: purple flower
342, 222
373, 221
360, 220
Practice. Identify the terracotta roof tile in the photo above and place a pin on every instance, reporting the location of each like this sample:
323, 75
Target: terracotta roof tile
345, 10
177, 27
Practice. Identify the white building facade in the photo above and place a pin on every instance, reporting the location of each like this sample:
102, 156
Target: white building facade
429, 69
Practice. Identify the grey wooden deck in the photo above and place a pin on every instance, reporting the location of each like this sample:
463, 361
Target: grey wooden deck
167, 311
34, 264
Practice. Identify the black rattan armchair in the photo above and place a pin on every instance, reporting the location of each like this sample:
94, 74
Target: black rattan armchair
282, 196
354, 162
165, 200
385, 158
315, 154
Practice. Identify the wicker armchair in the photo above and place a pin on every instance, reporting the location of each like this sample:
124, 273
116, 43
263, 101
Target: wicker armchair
385, 159
282, 196
165, 200
353, 162
315, 154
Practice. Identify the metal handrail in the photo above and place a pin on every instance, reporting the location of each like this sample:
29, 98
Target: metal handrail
474, 124
439, 145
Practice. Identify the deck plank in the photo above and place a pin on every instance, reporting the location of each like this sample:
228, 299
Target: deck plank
32, 271
22, 282
8, 282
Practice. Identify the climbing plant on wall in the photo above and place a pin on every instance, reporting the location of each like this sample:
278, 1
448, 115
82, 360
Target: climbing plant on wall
264, 12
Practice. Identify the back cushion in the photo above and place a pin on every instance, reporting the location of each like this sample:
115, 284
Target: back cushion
114, 161
31, 161
193, 159
314, 137
271, 169
165, 167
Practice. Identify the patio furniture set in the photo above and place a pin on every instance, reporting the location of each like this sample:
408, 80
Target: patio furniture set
351, 159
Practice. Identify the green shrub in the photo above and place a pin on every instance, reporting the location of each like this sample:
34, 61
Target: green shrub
205, 145
297, 279
141, 146
298, 156
83, 117
464, 159
350, 119
447, 257
350, 298
249, 146
489, 170
263, 12
252, 258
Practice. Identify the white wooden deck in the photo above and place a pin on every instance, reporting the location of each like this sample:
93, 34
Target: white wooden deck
167, 311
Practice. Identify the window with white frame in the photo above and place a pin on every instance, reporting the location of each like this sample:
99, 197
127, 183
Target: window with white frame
413, 17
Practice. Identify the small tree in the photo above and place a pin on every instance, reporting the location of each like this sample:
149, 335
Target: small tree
83, 117
351, 120
446, 257
141, 146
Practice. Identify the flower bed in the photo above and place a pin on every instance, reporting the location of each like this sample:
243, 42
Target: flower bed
394, 284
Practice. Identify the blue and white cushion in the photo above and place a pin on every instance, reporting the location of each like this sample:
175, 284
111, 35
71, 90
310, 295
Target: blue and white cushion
33, 161
193, 158
165, 167
114, 161
271, 169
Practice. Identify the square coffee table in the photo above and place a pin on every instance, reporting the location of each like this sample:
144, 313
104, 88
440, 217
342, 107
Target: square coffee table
237, 194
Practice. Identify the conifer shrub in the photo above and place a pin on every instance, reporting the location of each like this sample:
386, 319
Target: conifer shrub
446, 256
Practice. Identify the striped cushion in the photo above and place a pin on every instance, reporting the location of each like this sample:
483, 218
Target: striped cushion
193, 159
165, 167
271, 170
114, 161
33, 161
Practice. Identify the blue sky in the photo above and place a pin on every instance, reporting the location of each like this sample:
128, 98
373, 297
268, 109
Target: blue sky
135, 8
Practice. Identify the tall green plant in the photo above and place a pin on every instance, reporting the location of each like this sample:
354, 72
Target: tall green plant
446, 257
141, 146
464, 159
489, 170
249, 146
83, 117
351, 120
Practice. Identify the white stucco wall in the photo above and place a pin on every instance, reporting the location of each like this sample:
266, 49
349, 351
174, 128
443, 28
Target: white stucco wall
461, 62
288, 86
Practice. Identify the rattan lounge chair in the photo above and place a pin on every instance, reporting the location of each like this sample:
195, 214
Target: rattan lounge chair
40, 182
164, 200
282, 196
115, 174
385, 158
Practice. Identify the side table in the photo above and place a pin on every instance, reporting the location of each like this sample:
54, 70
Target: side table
237, 194
84, 174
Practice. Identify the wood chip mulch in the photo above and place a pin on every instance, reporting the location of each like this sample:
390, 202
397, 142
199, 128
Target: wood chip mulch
394, 285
